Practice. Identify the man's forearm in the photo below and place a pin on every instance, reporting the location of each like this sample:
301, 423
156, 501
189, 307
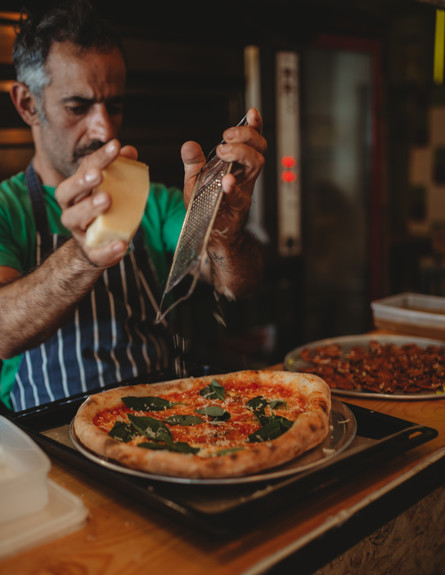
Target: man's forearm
33, 307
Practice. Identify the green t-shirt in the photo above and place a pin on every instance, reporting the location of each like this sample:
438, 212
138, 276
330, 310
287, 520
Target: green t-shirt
161, 225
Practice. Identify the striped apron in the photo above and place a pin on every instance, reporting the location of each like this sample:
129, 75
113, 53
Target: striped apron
111, 335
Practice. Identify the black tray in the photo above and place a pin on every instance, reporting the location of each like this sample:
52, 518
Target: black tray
224, 509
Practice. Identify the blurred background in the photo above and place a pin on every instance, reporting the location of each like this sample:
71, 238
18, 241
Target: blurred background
351, 204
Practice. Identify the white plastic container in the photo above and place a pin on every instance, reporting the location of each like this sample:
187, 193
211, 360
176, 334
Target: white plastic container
411, 313
63, 514
23, 473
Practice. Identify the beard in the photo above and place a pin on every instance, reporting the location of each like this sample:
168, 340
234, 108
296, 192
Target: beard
83, 151
63, 160
68, 165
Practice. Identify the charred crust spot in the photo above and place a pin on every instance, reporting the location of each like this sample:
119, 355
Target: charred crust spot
322, 404
324, 407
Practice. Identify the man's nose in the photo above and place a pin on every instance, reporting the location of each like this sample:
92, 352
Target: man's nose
100, 126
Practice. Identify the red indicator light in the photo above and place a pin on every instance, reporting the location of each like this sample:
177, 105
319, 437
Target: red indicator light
288, 161
288, 176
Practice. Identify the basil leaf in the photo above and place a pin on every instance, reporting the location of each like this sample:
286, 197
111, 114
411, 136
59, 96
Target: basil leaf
213, 391
154, 446
278, 404
262, 418
183, 420
258, 403
122, 431
214, 412
151, 428
285, 423
228, 451
147, 403
183, 447
272, 428
179, 447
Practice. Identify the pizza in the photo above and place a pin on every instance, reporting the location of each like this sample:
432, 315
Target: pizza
218, 426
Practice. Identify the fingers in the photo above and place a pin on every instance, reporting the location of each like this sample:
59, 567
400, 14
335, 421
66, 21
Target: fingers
192, 154
248, 162
251, 130
88, 175
80, 207
239, 196
245, 147
106, 256
193, 159
129, 152
79, 215
254, 119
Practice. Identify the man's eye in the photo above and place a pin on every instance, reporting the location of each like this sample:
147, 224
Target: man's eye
78, 110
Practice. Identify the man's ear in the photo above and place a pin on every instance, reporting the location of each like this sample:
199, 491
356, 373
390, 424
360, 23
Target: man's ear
25, 103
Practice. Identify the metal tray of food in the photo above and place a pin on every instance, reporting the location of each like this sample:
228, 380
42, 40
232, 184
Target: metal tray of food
296, 360
360, 436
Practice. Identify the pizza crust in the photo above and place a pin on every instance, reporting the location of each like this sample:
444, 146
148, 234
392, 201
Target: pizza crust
309, 429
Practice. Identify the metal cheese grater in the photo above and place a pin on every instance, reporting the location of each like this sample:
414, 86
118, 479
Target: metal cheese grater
198, 223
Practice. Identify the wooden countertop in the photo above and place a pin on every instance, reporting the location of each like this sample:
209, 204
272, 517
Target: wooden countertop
122, 537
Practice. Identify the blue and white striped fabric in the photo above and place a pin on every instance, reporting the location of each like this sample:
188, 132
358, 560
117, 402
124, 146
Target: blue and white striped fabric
110, 337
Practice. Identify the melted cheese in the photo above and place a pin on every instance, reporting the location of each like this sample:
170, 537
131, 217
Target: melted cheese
128, 183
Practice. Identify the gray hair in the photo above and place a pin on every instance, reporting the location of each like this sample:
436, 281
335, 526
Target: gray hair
74, 21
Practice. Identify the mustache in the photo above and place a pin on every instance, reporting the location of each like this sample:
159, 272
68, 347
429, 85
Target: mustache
79, 153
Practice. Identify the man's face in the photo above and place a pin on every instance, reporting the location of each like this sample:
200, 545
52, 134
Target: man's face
82, 105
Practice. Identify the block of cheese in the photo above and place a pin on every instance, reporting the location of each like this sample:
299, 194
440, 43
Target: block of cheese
128, 183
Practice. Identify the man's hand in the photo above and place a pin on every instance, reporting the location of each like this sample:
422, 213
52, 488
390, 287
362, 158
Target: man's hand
245, 147
235, 262
80, 207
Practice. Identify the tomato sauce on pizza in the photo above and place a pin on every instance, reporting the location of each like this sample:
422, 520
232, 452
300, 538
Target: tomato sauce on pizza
240, 423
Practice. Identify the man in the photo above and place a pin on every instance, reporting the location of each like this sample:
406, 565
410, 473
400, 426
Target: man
72, 317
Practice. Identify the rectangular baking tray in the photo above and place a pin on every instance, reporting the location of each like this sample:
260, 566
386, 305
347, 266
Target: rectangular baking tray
225, 509
411, 313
